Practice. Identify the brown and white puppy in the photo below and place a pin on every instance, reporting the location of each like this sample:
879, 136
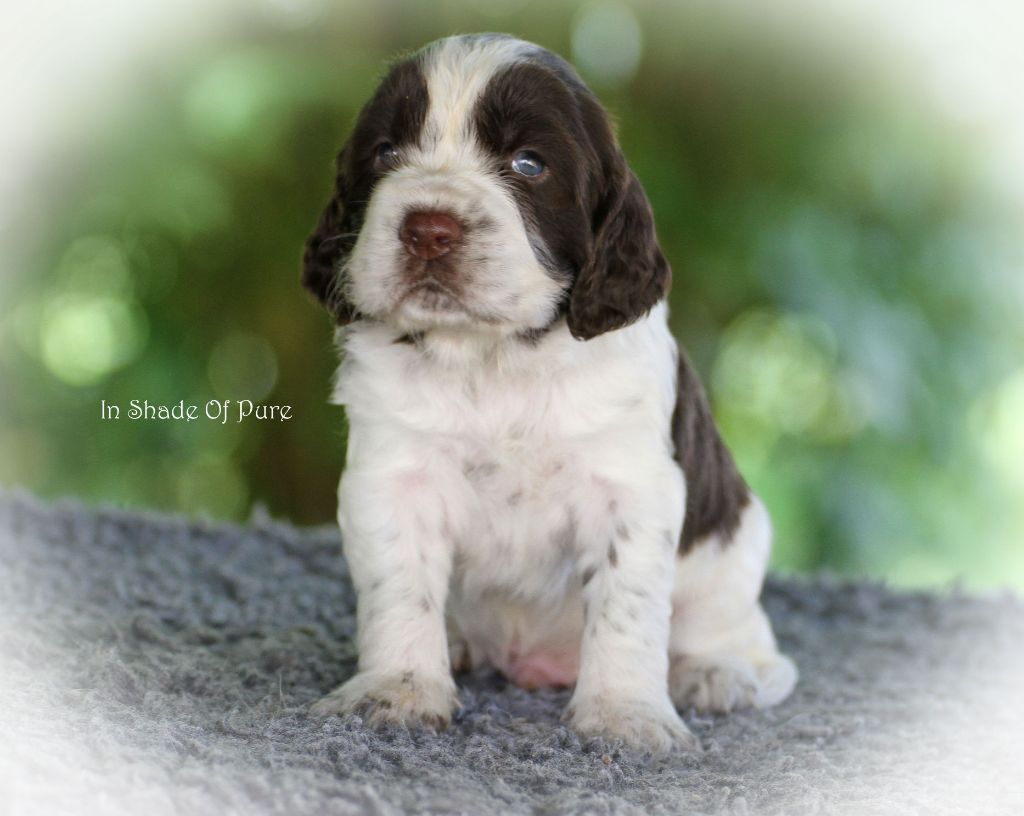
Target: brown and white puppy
534, 479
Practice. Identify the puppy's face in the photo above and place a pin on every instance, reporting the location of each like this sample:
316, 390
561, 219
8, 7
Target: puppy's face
482, 189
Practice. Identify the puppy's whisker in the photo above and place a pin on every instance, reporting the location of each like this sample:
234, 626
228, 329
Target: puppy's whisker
342, 235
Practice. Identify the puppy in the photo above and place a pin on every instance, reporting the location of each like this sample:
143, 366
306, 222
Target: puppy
534, 480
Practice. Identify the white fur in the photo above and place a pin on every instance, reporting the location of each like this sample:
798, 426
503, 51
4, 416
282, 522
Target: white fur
722, 648
518, 503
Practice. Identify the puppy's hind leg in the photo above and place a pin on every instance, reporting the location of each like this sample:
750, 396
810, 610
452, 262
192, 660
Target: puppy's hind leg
722, 653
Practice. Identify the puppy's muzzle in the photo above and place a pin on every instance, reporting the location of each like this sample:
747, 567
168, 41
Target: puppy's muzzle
429, 235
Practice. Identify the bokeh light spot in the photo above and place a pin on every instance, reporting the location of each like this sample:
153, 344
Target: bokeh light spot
997, 420
780, 372
607, 43
225, 101
85, 338
95, 264
238, 107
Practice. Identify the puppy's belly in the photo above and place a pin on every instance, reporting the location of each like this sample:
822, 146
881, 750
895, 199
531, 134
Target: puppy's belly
533, 645
515, 596
543, 668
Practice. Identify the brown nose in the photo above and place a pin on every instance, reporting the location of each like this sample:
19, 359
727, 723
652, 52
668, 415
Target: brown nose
429, 235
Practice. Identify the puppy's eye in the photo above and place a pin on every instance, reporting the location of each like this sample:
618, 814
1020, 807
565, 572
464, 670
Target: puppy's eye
387, 156
527, 164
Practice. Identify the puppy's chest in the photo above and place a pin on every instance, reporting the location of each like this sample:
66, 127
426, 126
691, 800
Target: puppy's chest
515, 470
517, 449
522, 529
520, 463
529, 488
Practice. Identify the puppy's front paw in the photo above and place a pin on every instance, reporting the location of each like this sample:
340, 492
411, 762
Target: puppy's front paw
405, 699
644, 725
722, 683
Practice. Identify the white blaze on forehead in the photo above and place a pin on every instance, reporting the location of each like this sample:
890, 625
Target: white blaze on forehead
458, 70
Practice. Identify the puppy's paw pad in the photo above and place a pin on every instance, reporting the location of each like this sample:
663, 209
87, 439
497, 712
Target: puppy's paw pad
723, 683
646, 726
403, 699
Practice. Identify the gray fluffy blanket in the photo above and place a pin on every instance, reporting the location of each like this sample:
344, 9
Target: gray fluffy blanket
150, 664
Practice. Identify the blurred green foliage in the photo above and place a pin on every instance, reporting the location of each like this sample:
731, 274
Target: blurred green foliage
841, 279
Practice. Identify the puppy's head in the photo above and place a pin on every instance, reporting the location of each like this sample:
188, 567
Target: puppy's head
482, 188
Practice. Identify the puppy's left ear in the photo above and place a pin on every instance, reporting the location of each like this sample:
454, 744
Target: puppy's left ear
626, 273
328, 246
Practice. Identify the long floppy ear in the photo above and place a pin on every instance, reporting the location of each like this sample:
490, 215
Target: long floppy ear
626, 273
328, 247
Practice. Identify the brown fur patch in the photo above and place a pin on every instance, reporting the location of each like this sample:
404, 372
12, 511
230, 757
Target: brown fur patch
715, 491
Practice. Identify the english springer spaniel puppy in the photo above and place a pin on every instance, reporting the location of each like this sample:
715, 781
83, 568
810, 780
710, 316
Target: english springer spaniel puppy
534, 480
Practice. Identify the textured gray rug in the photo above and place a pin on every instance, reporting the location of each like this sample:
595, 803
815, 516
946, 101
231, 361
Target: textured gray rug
154, 665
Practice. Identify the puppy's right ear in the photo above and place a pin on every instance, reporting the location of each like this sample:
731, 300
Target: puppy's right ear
328, 246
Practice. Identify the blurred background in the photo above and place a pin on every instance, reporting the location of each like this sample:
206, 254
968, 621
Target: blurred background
838, 187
